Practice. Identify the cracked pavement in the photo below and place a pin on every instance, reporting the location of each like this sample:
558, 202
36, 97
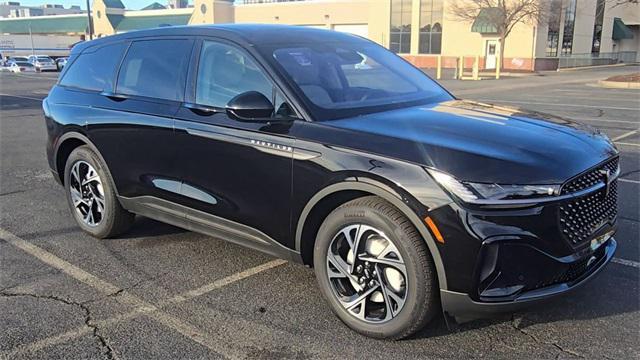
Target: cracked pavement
163, 292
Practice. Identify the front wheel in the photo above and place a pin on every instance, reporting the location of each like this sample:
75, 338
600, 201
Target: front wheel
375, 270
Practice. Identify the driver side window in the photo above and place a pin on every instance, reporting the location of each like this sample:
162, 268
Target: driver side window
224, 72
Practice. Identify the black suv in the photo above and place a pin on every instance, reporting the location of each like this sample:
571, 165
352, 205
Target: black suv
326, 149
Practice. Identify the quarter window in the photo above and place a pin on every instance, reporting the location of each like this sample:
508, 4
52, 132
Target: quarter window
94, 69
224, 72
155, 68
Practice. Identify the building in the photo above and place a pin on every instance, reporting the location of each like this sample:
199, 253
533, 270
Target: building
13, 9
177, 4
579, 32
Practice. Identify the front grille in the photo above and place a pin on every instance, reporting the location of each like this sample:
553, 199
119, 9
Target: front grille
581, 217
591, 177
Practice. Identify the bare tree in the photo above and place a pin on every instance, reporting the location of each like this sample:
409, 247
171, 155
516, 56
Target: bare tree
503, 15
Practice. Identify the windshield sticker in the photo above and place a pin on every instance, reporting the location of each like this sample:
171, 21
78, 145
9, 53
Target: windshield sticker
301, 58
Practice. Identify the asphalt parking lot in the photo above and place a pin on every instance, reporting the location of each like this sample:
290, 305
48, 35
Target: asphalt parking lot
162, 292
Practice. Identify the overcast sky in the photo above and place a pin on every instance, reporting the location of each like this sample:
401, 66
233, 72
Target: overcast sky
130, 4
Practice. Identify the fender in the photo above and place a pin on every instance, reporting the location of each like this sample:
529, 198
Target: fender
390, 195
79, 136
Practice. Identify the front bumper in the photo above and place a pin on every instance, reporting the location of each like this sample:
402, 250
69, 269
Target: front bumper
464, 308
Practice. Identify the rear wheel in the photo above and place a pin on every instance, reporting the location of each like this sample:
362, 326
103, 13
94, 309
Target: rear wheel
92, 197
374, 269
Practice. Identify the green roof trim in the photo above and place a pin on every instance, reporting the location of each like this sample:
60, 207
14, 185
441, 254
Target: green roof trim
129, 23
115, 19
154, 6
114, 4
620, 30
485, 22
45, 25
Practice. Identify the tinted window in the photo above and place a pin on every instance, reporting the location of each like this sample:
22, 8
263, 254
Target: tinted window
95, 69
224, 72
155, 68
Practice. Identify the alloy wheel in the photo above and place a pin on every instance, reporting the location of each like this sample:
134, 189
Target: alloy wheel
87, 193
367, 273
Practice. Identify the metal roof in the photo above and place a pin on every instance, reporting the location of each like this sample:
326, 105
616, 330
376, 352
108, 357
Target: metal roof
128, 23
45, 24
487, 20
114, 4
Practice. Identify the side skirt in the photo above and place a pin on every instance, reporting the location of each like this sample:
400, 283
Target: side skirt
207, 224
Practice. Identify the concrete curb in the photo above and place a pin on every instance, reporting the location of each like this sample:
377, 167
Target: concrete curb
619, 84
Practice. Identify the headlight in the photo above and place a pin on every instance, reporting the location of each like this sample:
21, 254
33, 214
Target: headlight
477, 192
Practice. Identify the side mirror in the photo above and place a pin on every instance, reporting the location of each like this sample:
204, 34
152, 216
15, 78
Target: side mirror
250, 106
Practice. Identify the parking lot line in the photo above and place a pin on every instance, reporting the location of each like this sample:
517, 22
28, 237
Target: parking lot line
22, 97
626, 143
629, 181
141, 307
626, 262
558, 104
625, 135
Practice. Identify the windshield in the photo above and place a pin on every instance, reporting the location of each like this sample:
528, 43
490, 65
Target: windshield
346, 79
22, 63
44, 58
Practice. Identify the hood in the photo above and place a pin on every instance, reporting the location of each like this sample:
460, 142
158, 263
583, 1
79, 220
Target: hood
479, 142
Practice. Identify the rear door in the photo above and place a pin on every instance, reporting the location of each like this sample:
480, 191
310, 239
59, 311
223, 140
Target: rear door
134, 126
236, 170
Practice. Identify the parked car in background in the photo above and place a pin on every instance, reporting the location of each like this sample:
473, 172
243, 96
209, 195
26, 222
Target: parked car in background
61, 62
43, 63
327, 149
21, 66
18, 58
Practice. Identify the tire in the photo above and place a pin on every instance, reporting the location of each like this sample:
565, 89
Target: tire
376, 220
113, 220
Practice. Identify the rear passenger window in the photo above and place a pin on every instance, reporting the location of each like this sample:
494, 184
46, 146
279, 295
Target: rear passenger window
224, 72
155, 68
94, 69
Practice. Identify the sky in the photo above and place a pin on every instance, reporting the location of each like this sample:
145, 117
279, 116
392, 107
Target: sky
130, 4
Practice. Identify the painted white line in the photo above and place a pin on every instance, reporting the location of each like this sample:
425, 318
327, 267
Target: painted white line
498, 101
141, 306
222, 283
626, 143
626, 262
22, 97
627, 134
629, 181
607, 120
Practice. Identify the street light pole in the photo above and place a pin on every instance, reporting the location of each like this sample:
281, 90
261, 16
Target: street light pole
90, 21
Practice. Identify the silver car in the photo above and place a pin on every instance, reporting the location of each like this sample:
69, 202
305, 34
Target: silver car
43, 63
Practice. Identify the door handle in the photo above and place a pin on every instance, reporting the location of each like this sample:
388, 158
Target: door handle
114, 96
201, 109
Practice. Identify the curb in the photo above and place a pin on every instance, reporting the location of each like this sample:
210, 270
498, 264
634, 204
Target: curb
619, 84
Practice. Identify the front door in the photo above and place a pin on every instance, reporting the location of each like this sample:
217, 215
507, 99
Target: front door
491, 53
237, 171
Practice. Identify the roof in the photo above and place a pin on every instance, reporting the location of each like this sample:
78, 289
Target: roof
620, 30
249, 33
154, 6
128, 23
45, 24
487, 21
114, 4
